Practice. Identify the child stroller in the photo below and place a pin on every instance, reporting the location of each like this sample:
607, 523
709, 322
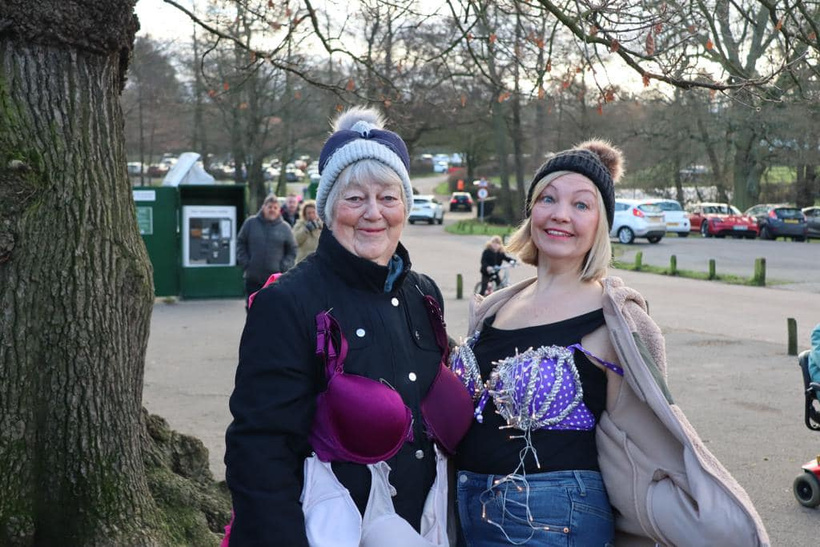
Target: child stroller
807, 485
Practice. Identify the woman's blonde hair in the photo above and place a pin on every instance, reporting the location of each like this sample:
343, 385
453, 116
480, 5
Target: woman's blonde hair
363, 171
494, 239
305, 204
599, 255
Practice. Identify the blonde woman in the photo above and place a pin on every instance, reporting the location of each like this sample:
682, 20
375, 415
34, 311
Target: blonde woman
573, 414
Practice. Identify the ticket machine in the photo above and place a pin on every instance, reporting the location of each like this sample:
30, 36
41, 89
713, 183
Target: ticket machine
209, 236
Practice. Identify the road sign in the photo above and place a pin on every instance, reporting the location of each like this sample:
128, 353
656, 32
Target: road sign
482, 193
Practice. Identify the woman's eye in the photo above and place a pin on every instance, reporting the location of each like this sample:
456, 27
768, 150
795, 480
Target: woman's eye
354, 199
582, 206
547, 199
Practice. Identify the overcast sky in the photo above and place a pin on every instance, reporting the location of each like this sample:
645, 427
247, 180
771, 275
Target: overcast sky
162, 20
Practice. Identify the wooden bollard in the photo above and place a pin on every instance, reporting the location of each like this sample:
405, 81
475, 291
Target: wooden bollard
459, 287
759, 278
791, 327
673, 265
712, 274
638, 261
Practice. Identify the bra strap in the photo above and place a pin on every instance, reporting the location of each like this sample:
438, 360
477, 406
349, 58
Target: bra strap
437, 322
326, 327
611, 366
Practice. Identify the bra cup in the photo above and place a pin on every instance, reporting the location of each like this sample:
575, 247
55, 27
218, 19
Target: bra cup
363, 420
447, 409
381, 525
331, 517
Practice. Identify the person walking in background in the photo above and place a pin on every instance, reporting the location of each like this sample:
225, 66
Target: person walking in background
492, 257
265, 245
573, 414
307, 230
356, 375
814, 356
291, 211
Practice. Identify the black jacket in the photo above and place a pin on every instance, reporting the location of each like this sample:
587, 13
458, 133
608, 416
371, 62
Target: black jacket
493, 258
264, 247
279, 376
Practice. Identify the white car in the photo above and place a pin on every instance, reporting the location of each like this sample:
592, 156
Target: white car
677, 220
426, 208
633, 218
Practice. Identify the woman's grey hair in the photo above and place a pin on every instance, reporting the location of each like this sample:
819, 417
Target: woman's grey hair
364, 171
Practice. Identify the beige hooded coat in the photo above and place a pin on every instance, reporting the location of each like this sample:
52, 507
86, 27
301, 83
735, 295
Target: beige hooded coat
664, 484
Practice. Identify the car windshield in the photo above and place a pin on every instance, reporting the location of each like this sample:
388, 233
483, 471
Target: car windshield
650, 208
420, 201
669, 206
788, 212
721, 209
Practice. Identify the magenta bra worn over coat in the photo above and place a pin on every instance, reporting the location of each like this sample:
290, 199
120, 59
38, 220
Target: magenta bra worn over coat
365, 421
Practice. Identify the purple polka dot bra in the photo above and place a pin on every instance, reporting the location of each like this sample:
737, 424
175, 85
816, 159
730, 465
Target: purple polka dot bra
537, 389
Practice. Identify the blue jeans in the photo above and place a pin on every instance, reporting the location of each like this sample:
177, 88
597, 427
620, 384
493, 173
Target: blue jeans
562, 508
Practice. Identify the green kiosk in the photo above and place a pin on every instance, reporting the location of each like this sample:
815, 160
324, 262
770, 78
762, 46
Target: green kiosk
190, 232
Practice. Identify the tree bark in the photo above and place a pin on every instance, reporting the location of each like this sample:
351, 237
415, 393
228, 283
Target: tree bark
76, 289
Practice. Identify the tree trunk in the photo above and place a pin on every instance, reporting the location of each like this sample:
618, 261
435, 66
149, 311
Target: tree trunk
747, 169
76, 290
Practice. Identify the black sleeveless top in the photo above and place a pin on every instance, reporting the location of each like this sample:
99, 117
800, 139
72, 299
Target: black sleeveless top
487, 449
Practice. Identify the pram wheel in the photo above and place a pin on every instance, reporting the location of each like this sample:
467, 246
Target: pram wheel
807, 489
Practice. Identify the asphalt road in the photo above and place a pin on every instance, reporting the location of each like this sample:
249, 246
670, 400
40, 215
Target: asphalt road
726, 347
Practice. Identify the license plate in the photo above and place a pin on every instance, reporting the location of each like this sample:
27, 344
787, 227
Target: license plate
740, 228
655, 219
790, 221
671, 223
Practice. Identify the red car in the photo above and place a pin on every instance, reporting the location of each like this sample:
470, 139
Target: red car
720, 220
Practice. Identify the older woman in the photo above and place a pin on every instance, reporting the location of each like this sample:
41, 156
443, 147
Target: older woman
341, 374
573, 415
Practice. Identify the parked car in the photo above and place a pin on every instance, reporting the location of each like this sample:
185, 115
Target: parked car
779, 221
135, 168
720, 220
461, 201
426, 208
812, 215
677, 221
637, 219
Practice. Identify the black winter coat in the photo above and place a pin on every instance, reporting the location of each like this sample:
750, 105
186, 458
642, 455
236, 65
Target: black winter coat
279, 377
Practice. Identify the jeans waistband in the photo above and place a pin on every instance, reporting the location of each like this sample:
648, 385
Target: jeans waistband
581, 479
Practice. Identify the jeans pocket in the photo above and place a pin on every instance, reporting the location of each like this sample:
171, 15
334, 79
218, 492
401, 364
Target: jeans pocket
545, 509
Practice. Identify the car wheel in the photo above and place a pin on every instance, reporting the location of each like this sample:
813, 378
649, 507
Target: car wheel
411, 221
431, 220
654, 239
441, 220
704, 229
765, 233
626, 235
683, 234
452, 208
799, 238
751, 236
469, 209
806, 489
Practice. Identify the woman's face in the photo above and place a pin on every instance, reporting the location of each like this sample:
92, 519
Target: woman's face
368, 220
310, 214
565, 218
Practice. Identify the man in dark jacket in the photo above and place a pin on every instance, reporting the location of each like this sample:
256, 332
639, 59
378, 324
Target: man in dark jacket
265, 245
290, 213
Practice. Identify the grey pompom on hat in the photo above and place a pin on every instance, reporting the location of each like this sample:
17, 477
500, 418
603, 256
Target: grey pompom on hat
359, 134
597, 160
